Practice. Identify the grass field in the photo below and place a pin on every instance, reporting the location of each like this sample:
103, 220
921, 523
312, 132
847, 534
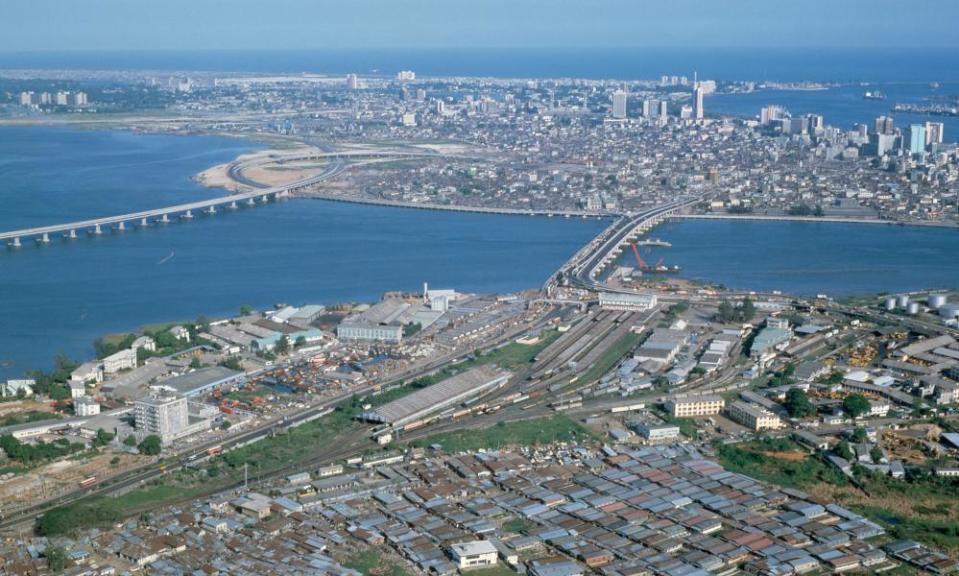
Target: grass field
370, 562
923, 509
524, 433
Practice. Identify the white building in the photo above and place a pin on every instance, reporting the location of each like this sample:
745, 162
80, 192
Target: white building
694, 406
85, 406
145, 342
754, 417
77, 389
163, 416
88, 372
122, 360
616, 301
180, 333
473, 554
13, 387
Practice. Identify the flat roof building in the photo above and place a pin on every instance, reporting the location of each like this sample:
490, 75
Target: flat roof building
616, 301
438, 396
694, 406
754, 417
474, 554
201, 381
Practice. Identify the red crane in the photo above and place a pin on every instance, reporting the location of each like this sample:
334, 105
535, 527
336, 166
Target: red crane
639, 259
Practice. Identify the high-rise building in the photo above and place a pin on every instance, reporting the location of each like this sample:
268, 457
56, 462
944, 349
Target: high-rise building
663, 109
934, 133
770, 113
648, 107
61, 98
698, 110
79, 99
619, 104
352, 81
26, 98
686, 112
884, 125
406, 75
163, 416
915, 142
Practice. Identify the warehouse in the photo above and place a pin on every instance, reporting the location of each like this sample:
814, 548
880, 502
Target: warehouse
626, 301
447, 393
203, 380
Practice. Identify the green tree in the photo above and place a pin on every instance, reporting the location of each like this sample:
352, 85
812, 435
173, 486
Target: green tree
130, 441
876, 454
855, 405
843, 450
859, 435
300, 342
56, 558
102, 438
195, 363
797, 403
246, 310
282, 345
151, 445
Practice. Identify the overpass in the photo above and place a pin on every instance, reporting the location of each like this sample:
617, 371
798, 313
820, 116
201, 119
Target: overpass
97, 226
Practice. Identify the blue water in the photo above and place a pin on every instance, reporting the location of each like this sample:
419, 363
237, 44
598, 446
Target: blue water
809, 258
60, 297
785, 64
844, 106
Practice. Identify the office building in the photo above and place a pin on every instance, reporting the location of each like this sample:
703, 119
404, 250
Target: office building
474, 554
163, 416
649, 108
754, 417
663, 109
769, 114
884, 125
653, 433
85, 406
915, 140
122, 360
406, 75
698, 109
619, 104
615, 301
934, 132
352, 81
694, 406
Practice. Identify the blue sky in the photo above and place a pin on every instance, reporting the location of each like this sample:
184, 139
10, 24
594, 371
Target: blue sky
376, 24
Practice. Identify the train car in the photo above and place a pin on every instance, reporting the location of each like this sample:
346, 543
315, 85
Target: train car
88, 482
215, 450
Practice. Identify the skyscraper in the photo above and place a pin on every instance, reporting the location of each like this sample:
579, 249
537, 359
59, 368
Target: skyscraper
648, 108
619, 104
916, 139
698, 98
663, 109
934, 132
770, 113
884, 125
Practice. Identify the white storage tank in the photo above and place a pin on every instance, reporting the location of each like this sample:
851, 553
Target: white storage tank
912, 308
891, 303
949, 311
935, 301
902, 300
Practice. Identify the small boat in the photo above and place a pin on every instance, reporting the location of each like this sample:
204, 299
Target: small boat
873, 95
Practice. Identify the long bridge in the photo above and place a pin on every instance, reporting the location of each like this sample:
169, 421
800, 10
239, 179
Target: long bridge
120, 222
585, 266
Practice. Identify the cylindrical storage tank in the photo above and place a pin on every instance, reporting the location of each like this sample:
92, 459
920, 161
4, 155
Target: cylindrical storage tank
891, 303
902, 300
949, 311
936, 300
913, 308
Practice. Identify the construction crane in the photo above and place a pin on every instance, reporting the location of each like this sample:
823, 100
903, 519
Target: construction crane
639, 259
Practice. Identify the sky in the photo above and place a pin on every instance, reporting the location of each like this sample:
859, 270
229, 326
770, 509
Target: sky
58, 25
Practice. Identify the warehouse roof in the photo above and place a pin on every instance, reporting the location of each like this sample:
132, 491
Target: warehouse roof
438, 396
